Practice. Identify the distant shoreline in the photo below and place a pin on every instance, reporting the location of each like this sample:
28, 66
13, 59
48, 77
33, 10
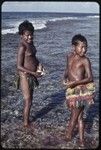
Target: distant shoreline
50, 12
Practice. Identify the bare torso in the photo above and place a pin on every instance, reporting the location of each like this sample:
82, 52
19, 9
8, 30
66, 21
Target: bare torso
27, 57
76, 68
31, 61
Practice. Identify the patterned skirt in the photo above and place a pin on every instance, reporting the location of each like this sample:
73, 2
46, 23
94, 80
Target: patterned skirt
32, 80
80, 95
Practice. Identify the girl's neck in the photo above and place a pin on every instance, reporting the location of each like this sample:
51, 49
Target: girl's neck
75, 54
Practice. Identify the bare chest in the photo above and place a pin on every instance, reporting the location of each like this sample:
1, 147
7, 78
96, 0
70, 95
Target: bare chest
30, 52
76, 67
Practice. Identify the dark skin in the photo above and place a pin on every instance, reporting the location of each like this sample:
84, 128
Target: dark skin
78, 71
27, 63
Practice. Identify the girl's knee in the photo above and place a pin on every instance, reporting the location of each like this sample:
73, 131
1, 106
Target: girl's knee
27, 96
80, 119
27, 100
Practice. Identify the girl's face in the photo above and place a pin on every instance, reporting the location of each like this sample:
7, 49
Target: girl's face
27, 36
81, 48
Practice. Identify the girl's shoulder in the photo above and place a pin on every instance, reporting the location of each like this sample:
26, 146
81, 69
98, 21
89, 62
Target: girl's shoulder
70, 54
23, 45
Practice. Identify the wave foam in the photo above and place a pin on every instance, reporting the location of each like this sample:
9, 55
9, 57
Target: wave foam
37, 23
96, 16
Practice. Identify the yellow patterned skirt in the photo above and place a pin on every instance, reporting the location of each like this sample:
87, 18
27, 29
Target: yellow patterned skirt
80, 95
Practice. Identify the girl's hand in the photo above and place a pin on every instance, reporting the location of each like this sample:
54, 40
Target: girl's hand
71, 84
37, 74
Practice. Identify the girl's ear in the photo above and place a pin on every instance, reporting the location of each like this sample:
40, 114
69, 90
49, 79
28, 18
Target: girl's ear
21, 35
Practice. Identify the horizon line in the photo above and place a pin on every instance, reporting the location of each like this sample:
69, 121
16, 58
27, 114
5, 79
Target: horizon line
47, 12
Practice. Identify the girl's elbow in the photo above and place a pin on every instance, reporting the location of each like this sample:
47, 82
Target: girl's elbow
18, 67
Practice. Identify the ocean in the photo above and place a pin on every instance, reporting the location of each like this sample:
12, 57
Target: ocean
52, 38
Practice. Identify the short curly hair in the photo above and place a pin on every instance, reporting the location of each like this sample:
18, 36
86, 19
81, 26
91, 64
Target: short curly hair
79, 37
26, 25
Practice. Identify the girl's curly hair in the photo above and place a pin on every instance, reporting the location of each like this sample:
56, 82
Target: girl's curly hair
26, 25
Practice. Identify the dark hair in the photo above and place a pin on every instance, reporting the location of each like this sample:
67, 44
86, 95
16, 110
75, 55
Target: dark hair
26, 25
77, 38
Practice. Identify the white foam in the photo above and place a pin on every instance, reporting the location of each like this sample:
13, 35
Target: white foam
96, 16
5, 31
37, 23
63, 18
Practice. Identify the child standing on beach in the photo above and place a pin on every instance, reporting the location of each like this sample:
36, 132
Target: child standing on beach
28, 66
79, 85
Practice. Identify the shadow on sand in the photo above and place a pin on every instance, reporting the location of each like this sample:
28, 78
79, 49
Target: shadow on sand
92, 114
56, 99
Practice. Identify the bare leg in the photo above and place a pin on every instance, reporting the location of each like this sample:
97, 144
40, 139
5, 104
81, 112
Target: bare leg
73, 120
27, 106
27, 93
81, 127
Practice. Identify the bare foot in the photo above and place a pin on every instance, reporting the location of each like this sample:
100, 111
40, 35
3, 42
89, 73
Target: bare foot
26, 125
68, 136
81, 143
68, 139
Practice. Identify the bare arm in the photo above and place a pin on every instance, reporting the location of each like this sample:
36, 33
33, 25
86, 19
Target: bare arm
66, 72
87, 79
